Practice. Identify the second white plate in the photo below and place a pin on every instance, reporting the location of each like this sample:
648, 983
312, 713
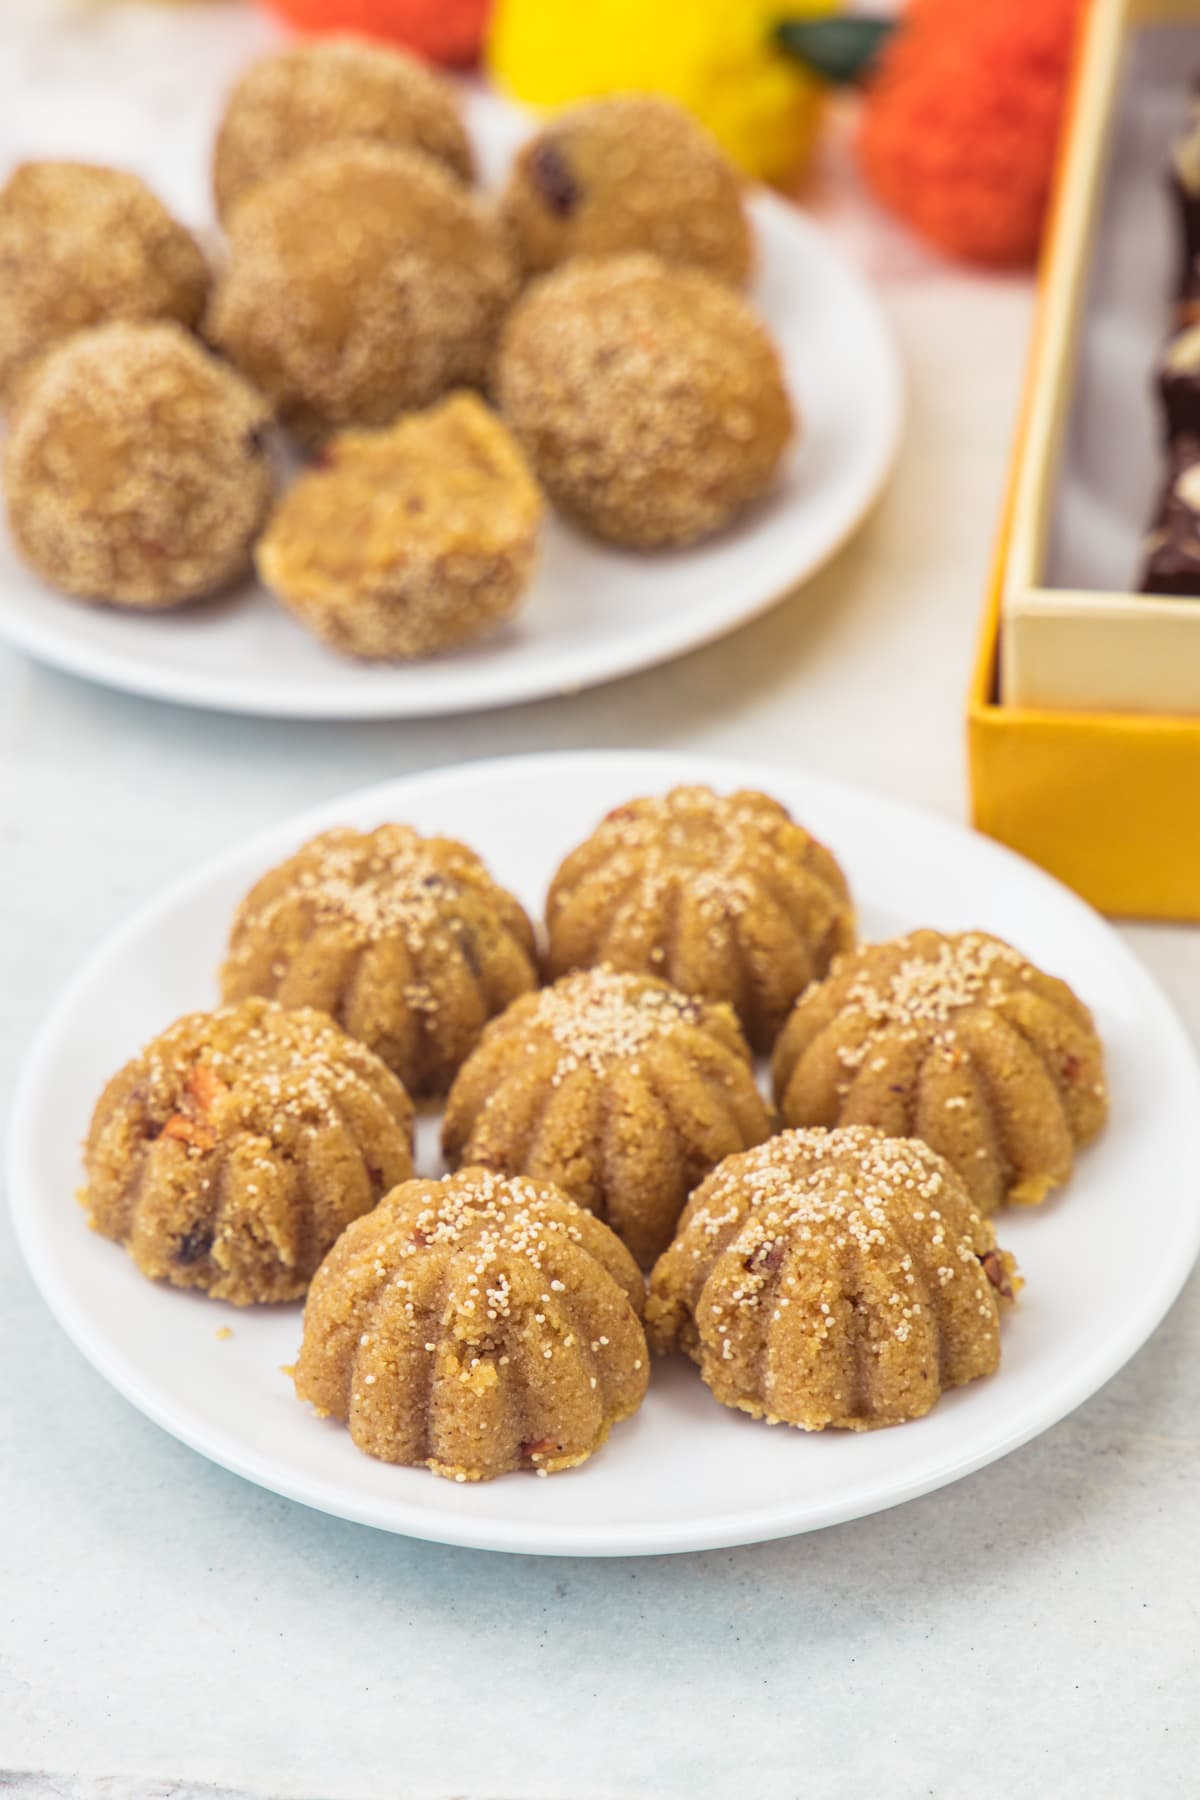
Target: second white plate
1102, 1262
594, 612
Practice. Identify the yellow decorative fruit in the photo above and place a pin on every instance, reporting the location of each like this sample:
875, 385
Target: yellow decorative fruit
719, 58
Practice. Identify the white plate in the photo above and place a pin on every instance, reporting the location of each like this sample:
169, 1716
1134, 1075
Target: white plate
594, 612
1103, 1261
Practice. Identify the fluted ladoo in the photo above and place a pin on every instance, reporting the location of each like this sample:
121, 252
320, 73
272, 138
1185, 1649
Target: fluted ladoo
958, 1039
233, 1150
617, 1088
474, 1326
832, 1278
405, 940
722, 895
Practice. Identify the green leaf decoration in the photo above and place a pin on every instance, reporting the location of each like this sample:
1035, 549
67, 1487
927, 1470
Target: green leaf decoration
840, 49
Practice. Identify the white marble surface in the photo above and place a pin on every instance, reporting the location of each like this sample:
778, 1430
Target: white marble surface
167, 1630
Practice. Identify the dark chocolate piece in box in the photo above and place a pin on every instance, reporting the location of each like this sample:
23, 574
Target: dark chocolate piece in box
1179, 384
1184, 182
1171, 548
1186, 311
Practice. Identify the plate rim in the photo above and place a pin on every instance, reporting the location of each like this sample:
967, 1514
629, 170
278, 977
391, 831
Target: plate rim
746, 1526
108, 668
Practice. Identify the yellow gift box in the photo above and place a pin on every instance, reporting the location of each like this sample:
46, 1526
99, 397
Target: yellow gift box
1107, 800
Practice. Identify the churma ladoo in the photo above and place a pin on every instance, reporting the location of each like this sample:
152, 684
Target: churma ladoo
616, 1088
137, 470
334, 90
959, 1040
409, 541
405, 940
83, 245
362, 282
233, 1151
630, 172
724, 896
475, 1326
650, 400
833, 1278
